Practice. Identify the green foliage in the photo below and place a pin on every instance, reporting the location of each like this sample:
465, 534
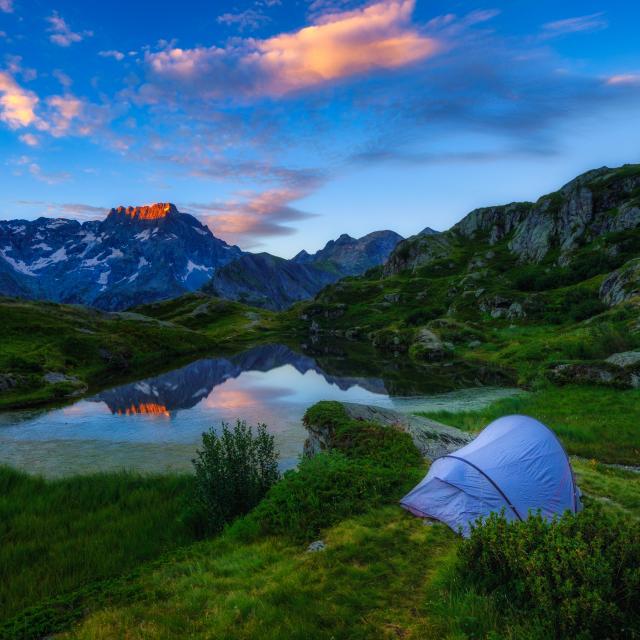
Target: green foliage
579, 576
58, 535
368, 466
234, 471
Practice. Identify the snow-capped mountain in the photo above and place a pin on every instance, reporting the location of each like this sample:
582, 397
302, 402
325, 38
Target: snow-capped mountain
134, 256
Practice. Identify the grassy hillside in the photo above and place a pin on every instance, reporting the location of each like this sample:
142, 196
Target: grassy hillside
86, 348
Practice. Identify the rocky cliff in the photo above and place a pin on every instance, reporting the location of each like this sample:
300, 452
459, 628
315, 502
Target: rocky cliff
557, 226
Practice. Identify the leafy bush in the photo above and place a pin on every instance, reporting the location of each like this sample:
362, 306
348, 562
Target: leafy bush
368, 465
234, 471
579, 575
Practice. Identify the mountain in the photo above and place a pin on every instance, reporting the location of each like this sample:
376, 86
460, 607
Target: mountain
353, 256
134, 256
558, 278
264, 280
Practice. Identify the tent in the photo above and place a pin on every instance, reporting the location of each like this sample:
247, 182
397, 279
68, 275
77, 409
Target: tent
515, 464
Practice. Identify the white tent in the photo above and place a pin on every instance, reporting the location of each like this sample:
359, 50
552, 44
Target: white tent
516, 464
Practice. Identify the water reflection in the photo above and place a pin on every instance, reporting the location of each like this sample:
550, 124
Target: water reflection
155, 424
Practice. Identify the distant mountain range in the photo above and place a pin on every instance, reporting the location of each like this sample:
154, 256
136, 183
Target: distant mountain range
267, 281
138, 255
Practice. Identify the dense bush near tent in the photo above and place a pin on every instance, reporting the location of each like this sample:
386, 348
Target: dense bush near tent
579, 576
369, 465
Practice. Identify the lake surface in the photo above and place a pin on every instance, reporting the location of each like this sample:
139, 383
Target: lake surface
155, 424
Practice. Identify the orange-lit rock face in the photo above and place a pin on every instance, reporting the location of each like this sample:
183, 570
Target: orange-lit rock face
149, 212
145, 408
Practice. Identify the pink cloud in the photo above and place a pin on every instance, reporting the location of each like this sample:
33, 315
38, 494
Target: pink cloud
252, 215
6, 6
337, 46
624, 79
66, 109
342, 45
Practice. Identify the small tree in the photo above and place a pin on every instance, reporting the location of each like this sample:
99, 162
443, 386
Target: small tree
234, 471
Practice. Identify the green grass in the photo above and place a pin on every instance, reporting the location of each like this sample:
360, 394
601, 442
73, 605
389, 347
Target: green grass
229, 323
369, 583
592, 422
56, 536
94, 347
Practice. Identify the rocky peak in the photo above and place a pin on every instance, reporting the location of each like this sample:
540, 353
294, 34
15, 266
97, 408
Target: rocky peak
147, 212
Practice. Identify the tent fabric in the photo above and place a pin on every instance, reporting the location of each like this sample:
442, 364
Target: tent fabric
515, 464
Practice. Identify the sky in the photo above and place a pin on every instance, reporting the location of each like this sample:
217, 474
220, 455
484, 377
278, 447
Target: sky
284, 123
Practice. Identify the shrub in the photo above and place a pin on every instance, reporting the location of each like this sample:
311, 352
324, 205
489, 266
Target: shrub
579, 575
234, 471
369, 465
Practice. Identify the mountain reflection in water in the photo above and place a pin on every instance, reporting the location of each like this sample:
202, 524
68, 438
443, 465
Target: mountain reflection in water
156, 424
186, 387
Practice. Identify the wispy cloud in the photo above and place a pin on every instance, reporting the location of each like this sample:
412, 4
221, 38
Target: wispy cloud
624, 79
6, 6
577, 24
248, 20
252, 215
112, 53
61, 33
79, 211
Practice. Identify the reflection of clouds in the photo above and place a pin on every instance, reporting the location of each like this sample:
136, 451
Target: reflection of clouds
85, 408
234, 394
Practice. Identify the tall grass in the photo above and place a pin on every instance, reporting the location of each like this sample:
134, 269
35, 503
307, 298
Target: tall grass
56, 536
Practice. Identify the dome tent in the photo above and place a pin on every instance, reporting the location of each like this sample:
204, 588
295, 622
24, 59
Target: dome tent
515, 464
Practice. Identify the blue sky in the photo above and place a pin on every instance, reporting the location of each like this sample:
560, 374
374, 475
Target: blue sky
285, 123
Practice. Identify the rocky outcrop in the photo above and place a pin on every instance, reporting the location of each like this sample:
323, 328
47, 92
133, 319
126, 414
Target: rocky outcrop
433, 439
136, 255
596, 203
147, 212
622, 284
620, 370
418, 251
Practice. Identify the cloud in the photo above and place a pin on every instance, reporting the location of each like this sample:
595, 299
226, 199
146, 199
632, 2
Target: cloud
337, 46
578, 24
624, 79
112, 53
30, 139
6, 6
62, 78
65, 109
248, 20
17, 105
61, 33
252, 216
25, 163
71, 210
